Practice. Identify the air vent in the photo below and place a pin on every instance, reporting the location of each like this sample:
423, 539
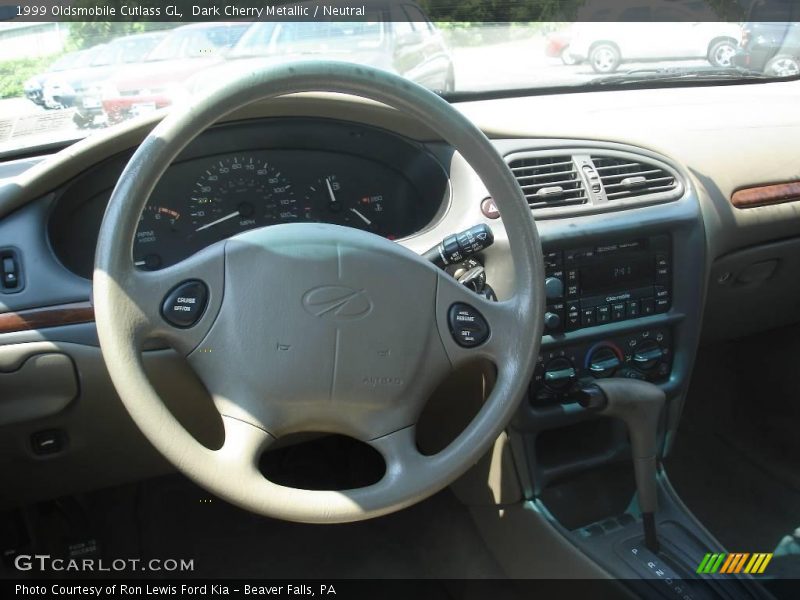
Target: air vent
626, 178
549, 180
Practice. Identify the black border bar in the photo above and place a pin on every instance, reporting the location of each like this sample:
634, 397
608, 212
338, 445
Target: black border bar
475, 11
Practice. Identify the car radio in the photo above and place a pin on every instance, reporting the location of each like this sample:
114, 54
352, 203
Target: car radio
598, 284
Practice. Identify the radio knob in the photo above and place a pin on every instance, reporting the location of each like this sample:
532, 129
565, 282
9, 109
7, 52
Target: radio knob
552, 321
553, 288
647, 355
604, 362
559, 374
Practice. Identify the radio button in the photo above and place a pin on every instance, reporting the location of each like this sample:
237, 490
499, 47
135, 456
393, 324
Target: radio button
662, 260
632, 309
662, 305
552, 321
570, 256
587, 317
573, 316
553, 288
618, 312
572, 291
662, 292
648, 306
553, 260
604, 314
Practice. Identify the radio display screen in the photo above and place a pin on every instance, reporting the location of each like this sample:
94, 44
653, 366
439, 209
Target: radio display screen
618, 272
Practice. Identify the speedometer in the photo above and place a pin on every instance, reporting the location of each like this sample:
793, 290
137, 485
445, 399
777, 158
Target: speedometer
238, 193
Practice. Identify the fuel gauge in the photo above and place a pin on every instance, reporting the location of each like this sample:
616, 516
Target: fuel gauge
348, 205
326, 192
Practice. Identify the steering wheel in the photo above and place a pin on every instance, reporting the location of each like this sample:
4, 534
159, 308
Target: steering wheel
315, 327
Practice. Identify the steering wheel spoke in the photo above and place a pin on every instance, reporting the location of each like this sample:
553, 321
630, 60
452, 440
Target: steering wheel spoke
177, 304
243, 446
400, 453
473, 327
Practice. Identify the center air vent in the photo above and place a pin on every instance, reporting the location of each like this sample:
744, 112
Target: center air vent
626, 178
566, 181
549, 180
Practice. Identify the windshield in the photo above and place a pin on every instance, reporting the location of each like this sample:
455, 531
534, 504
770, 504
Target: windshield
160, 65
192, 41
126, 50
65, 62
264, 39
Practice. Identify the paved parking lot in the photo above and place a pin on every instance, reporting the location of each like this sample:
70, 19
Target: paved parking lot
516, 64
523, 64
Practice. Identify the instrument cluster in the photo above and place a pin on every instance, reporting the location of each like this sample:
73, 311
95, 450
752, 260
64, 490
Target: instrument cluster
242, 176
209, 199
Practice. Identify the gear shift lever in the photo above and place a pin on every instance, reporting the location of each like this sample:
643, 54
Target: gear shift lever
638, 404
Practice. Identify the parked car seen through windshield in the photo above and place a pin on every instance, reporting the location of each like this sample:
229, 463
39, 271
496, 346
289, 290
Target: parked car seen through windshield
88, 79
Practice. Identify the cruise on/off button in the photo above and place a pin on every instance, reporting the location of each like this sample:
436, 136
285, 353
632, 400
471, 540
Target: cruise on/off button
185, 304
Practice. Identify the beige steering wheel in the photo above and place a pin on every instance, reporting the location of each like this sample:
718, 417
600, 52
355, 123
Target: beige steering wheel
265, 289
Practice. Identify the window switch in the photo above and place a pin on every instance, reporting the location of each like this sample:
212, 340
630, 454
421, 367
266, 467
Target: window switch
9, 270
10, 279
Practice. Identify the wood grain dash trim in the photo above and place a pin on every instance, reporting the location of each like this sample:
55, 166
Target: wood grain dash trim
766, 195
48, 316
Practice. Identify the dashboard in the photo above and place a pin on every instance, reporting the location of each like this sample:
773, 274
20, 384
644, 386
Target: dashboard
52, 206
235, 178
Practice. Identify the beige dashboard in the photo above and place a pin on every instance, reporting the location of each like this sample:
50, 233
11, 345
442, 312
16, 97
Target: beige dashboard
722, 139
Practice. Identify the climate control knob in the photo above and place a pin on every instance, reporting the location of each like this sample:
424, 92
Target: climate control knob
559, 374
603, 361
647, 355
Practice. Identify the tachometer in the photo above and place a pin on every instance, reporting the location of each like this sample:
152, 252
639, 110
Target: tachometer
155, 223
237, 193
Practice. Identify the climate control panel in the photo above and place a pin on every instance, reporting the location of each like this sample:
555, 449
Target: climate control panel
645, 354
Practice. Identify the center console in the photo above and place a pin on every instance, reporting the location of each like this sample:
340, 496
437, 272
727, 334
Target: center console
615, 309
618, 306
614, 281
625, 278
